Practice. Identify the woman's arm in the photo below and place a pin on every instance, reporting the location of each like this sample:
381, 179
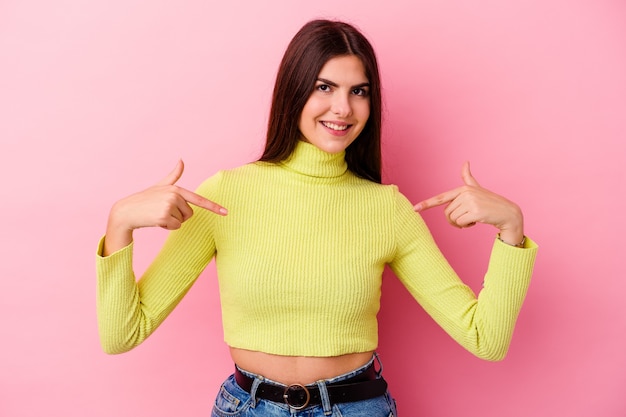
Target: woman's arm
482, 324
129, 311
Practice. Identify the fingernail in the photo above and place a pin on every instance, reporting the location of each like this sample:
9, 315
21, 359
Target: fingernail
417, 207
223, 210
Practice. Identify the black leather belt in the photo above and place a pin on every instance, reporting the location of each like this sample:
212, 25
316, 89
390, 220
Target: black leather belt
363, 386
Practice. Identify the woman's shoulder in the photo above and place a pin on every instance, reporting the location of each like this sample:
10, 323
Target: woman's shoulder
395, 197
252, 171
390, 190
233, 176
387, 194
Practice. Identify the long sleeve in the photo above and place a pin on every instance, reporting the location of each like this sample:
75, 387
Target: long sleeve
484, 324
130, 311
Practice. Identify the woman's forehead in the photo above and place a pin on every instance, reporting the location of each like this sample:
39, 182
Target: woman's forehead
345, 69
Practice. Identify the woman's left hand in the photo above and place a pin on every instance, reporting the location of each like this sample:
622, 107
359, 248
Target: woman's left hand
471, 204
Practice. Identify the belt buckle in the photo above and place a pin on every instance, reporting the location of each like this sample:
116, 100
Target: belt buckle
293, 388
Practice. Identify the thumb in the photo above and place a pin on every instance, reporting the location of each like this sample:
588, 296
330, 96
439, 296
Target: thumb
173, 176
467, 176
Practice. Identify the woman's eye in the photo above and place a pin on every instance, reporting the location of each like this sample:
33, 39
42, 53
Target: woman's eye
323, 87
359, 92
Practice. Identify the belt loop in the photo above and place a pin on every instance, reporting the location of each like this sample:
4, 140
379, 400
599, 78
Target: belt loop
255, 385
380, 365
321, 385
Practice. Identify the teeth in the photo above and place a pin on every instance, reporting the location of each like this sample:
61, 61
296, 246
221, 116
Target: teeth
334, 126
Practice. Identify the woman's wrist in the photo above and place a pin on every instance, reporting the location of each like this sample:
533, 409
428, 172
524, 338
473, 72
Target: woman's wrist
513, 234
511, 231
519, 243
117, 236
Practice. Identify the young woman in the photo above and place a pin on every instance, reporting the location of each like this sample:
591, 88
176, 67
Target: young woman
301, 250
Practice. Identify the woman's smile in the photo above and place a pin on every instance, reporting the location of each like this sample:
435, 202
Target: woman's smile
337, 128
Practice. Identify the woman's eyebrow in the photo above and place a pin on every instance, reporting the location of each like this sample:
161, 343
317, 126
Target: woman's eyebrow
333, 84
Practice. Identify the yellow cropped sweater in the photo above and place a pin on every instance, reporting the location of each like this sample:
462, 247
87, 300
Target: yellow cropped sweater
300, 258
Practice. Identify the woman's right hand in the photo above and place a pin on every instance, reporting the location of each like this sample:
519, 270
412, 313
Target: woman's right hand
163, 205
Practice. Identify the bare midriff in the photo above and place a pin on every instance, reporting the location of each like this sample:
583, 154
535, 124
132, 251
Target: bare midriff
297, 369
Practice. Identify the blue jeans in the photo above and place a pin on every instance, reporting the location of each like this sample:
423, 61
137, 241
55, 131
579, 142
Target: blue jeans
233, 401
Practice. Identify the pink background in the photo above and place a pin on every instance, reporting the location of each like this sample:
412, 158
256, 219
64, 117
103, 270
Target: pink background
99, 99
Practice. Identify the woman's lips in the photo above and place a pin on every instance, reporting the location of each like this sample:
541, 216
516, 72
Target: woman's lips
336, 128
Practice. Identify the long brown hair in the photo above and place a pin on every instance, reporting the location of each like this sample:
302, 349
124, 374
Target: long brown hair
309, 50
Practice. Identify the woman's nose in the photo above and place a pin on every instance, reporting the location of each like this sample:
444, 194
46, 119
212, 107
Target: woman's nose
341, 105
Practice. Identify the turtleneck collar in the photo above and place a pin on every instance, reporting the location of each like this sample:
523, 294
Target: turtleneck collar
308, 159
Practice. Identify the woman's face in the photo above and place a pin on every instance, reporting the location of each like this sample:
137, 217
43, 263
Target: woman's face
338, 109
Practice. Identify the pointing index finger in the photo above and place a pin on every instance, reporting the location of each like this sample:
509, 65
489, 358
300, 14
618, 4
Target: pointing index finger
198, 200
438, 200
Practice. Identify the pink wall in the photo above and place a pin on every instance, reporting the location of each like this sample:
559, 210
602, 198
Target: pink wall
99, 99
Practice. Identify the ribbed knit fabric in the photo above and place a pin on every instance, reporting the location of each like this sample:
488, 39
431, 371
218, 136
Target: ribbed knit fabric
300, 258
